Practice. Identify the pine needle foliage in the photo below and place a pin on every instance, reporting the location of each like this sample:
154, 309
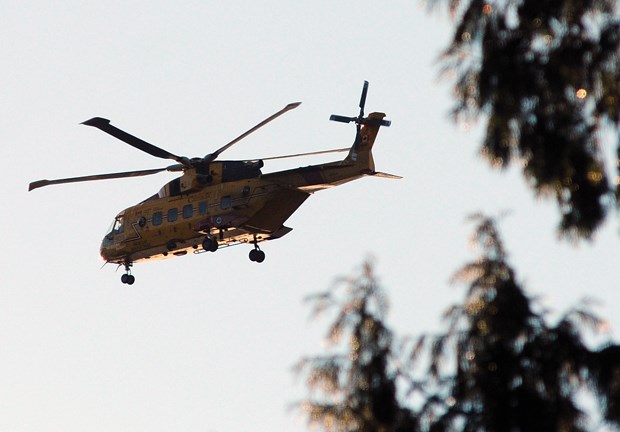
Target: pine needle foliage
545, 76
503, 367
354, 389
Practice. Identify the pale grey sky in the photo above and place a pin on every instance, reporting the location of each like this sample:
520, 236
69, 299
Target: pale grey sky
206, 343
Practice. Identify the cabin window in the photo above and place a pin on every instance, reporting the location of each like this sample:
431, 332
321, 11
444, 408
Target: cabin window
225, 203
188, 210
202, 207
172, 214
157, 218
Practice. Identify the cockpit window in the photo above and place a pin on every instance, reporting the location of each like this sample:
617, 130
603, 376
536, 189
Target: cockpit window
117, 227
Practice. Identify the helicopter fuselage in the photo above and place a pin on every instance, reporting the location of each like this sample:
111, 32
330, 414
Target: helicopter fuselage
228, 202
217, 203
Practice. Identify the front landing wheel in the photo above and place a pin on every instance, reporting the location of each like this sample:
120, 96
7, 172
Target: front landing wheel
128, 279
257, 255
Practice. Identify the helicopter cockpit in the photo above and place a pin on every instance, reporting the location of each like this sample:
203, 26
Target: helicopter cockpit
117, 227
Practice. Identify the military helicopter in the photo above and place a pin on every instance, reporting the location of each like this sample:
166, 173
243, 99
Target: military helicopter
215, 204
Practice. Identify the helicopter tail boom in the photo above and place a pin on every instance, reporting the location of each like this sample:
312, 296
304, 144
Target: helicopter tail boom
358, 163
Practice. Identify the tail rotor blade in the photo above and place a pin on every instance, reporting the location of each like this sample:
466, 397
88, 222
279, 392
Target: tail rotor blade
363, 99
342, 119
360, 119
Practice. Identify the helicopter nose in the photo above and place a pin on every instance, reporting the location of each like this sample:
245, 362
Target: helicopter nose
103, 249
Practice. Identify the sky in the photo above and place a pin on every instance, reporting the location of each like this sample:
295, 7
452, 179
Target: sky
208, 342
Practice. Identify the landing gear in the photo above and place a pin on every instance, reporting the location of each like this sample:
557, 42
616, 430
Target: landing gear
210, 244
128, 278
257, 255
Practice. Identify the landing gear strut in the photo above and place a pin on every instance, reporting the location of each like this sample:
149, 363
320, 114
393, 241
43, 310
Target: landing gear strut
257, 255
128, 278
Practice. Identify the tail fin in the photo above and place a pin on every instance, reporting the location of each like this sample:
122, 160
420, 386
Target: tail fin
367, 130
360, 154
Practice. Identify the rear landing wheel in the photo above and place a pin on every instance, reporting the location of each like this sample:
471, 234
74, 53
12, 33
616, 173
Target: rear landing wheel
210, 244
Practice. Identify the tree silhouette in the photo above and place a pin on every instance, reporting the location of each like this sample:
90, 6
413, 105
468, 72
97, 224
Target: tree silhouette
512, 370
501, 365
356, 384
545, 75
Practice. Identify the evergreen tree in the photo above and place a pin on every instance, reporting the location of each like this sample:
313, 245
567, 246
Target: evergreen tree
545, 75
511, 370
501, 365
356, 385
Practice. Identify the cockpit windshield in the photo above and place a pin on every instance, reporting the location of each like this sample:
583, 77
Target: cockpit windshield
116, 227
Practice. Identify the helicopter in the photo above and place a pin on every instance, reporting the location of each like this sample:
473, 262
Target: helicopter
215, 204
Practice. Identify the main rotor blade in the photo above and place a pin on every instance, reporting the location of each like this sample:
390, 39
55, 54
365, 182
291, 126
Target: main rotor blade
105, 126
211, 157
41, 183
340, 150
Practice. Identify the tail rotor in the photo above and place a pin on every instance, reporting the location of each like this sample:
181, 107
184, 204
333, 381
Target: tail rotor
360, 119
